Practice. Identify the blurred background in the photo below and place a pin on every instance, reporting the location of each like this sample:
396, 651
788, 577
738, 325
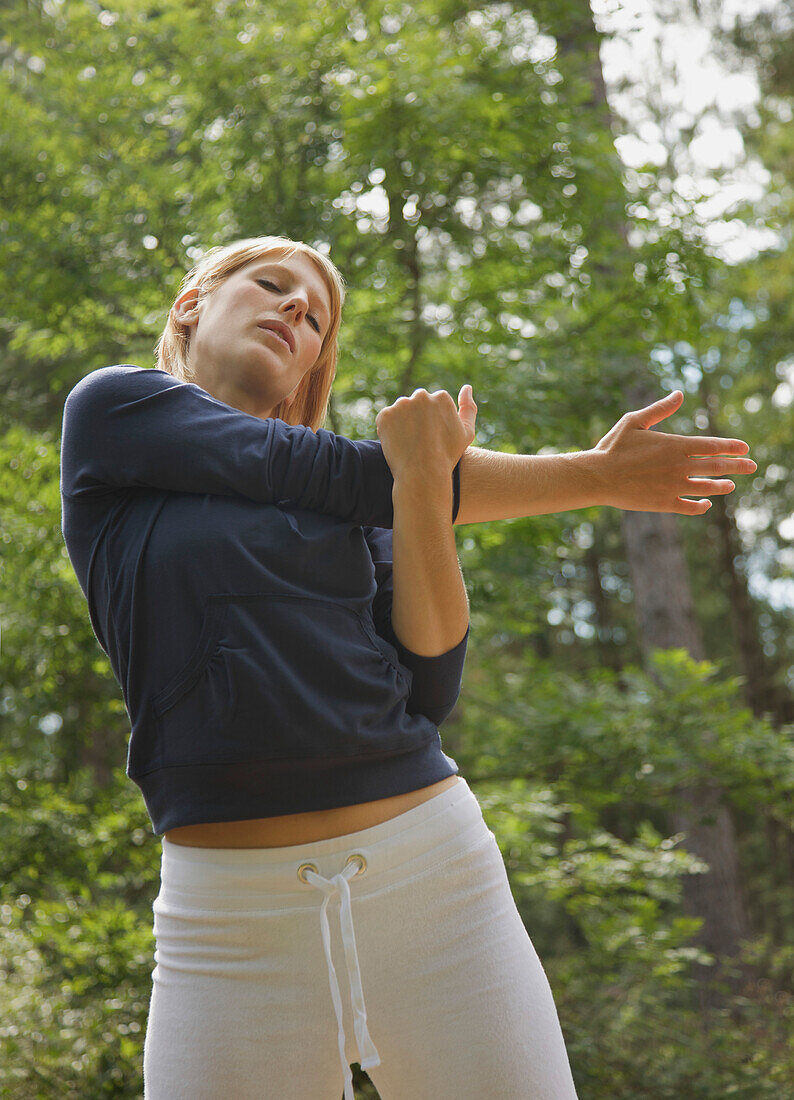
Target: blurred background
574, 207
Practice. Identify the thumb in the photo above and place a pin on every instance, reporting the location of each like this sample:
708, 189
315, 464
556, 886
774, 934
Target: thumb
652, 414
467, 407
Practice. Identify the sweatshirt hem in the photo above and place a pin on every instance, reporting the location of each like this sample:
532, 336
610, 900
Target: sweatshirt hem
193, 794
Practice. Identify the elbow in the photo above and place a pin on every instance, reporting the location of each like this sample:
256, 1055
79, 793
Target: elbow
437, 712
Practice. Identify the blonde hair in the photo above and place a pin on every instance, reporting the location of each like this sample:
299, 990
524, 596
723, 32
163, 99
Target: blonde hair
310, 406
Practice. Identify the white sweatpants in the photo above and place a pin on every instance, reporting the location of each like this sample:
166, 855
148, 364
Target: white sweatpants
399, 947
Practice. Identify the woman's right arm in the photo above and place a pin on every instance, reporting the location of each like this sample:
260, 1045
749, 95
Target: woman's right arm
126, 426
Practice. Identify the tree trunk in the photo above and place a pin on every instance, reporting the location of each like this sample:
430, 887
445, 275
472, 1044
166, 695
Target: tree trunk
760, 691
662, 595
666, 619
608, 651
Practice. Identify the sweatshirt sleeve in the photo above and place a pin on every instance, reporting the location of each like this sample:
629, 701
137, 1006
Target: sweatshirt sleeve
436, 681
129, 426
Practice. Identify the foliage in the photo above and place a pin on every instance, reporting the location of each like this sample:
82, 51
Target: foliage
451, 161
80, 875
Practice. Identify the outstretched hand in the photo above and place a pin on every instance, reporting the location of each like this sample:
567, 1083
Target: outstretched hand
644, 471
426, 432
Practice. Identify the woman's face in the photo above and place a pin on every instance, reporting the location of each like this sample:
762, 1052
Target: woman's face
232, 353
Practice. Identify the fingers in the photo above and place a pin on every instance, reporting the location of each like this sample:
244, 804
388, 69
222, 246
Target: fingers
707, 485
706, 466
709, 445
703, 485
464, 394
420, 394
692, 507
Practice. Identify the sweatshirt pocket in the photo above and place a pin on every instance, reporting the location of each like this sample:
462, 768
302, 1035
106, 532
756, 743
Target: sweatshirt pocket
277, 676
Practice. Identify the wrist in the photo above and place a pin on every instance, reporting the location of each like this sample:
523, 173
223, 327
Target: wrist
423, 479
595, 469
423, 487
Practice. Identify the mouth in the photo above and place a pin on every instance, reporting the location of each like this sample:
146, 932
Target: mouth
275, 333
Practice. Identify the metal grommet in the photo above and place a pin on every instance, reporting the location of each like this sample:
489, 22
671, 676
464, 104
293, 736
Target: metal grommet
306, 867
361, 859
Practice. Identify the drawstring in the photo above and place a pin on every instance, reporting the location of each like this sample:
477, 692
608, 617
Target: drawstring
307, 872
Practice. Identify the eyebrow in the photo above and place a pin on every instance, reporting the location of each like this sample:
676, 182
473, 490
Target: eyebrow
282, 267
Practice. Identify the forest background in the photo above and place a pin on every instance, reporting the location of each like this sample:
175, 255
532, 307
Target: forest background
509, 211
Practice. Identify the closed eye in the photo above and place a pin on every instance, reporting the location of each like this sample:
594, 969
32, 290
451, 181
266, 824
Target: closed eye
266, 282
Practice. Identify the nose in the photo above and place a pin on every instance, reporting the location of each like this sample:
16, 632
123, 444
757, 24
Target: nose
299, 304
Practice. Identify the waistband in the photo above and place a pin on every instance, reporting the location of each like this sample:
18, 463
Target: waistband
239, 878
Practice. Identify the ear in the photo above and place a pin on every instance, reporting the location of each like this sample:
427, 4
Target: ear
185, 308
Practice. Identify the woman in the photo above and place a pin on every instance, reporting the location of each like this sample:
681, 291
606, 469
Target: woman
284, 611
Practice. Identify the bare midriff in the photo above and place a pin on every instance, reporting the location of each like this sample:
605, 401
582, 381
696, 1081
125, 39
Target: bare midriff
305, 828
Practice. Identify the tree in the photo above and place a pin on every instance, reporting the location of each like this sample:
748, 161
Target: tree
663, 601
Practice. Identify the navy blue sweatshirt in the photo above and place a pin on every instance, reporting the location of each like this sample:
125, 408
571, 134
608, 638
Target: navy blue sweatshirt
238, 574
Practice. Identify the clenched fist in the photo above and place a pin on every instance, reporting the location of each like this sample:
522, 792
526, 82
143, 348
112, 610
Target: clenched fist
426, 432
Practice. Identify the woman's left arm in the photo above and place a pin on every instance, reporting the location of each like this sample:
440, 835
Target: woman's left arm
631, 468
